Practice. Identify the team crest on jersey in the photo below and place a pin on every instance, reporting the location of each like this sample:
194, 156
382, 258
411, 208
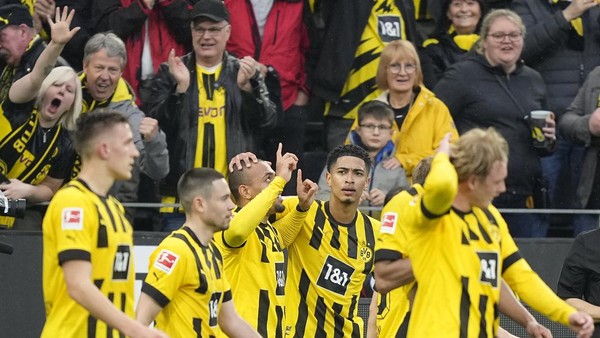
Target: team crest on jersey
72, 219
388, 222
166, 261
365, 253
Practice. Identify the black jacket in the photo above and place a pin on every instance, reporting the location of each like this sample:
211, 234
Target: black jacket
246, 115
477, 95
551, 50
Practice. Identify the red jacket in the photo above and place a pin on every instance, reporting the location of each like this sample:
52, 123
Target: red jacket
283, 46
168, 28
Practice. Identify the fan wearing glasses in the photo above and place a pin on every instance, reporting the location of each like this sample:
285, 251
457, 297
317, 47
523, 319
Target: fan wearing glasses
374, 134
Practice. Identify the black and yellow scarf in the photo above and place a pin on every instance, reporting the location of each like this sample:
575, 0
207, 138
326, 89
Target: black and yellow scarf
17, 160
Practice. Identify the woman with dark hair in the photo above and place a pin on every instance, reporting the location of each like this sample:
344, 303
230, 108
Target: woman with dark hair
455, 33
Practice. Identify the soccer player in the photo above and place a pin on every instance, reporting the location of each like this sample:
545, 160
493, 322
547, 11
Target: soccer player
252, 247
332, 254
460, 248
186, 290
88, 272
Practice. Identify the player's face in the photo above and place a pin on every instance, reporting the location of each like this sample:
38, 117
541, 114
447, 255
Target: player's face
261, 176
486, 189
209, 39
347, 179
102, 74
121, 152
219, 206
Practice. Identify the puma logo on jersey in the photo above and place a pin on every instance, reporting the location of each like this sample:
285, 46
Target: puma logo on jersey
72, 219
166, 261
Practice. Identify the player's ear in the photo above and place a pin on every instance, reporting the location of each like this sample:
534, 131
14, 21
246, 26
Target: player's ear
328, 178
102, 150
244, 192
199, 204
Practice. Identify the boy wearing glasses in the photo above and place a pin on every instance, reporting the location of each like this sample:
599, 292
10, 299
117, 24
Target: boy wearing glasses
374, 134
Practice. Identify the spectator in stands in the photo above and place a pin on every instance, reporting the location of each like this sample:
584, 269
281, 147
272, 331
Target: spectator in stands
493, 88
454, 35
36, 152
578, 281
354, 36
374, 134
20, 47
581, 125
274, 33
150, 29
210, 104
104, 88
421, 119
72, 53
563, 44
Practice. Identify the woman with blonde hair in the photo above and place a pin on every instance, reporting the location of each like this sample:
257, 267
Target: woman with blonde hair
421, 119
36, 153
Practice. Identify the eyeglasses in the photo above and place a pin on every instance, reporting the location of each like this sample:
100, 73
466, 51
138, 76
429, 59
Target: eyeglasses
212, 31
396, 68
512, 36
372, 127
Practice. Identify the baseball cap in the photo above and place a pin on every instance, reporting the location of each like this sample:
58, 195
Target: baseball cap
211, 9
14, 15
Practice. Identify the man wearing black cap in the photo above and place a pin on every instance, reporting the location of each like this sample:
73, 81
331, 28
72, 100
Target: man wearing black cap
210, 104
20, 48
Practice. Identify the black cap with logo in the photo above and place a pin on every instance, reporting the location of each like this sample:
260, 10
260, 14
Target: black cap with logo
14, 15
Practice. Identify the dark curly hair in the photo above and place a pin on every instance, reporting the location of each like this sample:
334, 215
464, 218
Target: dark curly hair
348, 150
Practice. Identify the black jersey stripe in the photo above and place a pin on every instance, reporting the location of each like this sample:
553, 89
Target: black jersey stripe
109, 212
370, 237
320, 313
483, 300
338, 320
263, 313
202, 287
387, 255
92, 322
208, 146
465, 304
317, 233
353, 239
484, 234
510, 260
155, 294
215, 260
335, 236
355, 327
261, 239
197, 324
302, 307
279, 328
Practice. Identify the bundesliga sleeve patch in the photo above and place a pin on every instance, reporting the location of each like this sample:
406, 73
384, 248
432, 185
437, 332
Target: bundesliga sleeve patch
388, 222
166, 261
72, 219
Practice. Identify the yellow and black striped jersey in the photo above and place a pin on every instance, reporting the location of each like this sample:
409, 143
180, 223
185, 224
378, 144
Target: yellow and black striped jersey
393, 306
328, 263
211, 146
459, 258
256, 269
385, 24
187, 280
81, 225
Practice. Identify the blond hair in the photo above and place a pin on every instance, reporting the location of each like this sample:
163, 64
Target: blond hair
397, 50
59, 76
476, 152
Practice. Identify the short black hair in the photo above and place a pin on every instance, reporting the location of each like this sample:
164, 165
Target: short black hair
92, 124
194, 182
348, 150
377, 109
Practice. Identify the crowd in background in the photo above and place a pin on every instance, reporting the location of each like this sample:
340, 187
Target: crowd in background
199, 89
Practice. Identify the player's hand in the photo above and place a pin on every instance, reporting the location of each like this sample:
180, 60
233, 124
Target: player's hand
236, 162
179, 71
582, 324
60, 31
376, 197
248, 67
286, 164
537, 330
16, 189
148, 128
391, 163
306, 191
